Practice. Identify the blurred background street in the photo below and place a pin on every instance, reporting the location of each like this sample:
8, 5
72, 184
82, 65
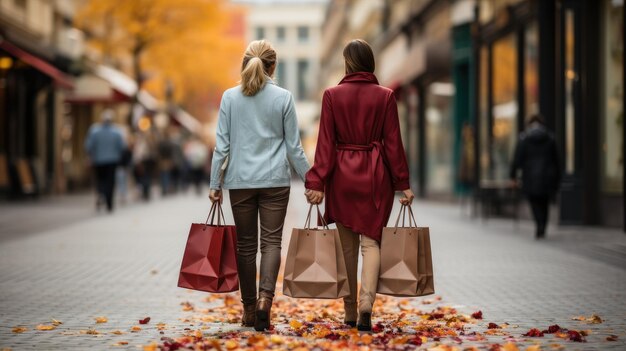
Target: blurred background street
467, 76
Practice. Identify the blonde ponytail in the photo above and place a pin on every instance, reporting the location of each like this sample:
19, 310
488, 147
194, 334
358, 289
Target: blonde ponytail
257, 63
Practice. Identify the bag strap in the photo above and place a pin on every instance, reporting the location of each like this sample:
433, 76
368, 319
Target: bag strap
403, 210
307, 223
216, 208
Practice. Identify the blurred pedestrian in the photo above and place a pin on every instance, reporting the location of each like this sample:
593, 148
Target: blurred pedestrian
166, 163
537, 157
144, 161
359, 163
123, 168
196, 155
105, 145
258, 132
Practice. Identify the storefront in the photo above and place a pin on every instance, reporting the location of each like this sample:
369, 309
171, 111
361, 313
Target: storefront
31, 93
563, 59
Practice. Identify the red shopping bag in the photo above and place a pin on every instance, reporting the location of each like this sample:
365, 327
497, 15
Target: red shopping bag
209, 263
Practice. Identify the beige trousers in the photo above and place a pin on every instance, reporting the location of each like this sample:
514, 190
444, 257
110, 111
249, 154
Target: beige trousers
370, 250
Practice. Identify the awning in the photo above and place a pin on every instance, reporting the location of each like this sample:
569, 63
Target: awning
119, 80
61, 79
187, 121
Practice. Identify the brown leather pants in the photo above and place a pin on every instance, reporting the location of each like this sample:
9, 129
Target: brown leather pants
248, 205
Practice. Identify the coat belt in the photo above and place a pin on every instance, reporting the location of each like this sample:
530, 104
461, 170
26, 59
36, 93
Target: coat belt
376, 169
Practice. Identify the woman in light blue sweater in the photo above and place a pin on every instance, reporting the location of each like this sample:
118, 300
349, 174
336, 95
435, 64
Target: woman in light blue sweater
257, 141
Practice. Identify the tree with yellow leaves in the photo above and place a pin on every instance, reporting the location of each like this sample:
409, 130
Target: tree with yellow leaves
179, 42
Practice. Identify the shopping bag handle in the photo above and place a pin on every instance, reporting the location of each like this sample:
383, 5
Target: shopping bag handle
216, 208
307, 223
403, 210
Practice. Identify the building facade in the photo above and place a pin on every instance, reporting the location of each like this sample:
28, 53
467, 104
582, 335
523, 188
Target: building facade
467, 75
294, 29
38, 51
563, 59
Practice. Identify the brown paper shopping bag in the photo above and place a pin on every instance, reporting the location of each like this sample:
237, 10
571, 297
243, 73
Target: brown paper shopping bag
406, 267
315, 266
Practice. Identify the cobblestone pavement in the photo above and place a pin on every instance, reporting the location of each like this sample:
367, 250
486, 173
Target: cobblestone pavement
125, 267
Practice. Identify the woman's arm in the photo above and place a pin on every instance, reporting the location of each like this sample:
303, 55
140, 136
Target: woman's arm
394, 150
326, 148
295, 153
222, 143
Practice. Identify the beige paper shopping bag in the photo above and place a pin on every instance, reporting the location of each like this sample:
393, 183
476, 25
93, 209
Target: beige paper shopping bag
315, 266
406, 267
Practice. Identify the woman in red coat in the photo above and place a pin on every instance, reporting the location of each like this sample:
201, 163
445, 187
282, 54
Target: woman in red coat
359, 164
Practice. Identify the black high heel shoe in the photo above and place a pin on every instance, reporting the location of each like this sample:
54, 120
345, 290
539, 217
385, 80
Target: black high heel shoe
365, 322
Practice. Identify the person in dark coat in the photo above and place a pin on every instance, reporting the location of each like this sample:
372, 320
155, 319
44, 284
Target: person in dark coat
537, 156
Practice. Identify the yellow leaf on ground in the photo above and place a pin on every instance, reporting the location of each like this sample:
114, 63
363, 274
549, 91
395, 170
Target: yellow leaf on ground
231, 345
56, 322
295, 325
45, 327
276, 339
152, 347
90, 332
101, 319
121, 343
161, 326
534, 348
366, 339
509, 346
19, 330
595, 319
135, 328
443, 347
117, 332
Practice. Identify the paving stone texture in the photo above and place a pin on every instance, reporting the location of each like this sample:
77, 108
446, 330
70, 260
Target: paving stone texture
125, 266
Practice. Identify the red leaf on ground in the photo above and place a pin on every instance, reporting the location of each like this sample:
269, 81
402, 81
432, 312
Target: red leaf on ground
553, 329
144, 321
611, 338
377, 328
534, 333
575, 336
417, 341
493, 326
477, 315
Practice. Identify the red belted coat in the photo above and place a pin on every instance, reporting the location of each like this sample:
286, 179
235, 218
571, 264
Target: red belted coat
359, 160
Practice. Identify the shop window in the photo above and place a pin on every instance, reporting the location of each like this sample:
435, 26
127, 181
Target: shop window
531, 73
280, 34
280, 74
483, 114
505, 108
303, 34
439, 135
570, 78
260, 33
613, 116
303, 73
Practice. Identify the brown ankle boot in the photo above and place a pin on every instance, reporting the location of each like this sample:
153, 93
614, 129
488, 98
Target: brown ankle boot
263, 311
247, 320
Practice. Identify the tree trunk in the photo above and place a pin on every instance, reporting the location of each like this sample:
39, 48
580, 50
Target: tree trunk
137, 75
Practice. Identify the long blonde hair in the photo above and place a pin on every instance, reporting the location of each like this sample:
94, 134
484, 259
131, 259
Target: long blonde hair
258, 60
